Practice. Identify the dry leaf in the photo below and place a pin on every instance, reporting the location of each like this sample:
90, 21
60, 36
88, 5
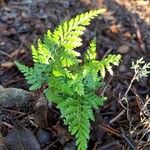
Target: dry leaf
21, 138
63, 135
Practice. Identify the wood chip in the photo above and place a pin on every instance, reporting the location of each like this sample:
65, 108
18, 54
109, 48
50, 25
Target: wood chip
7, 64
114, 29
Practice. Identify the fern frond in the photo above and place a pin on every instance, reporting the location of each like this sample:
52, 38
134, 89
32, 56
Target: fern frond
77, 114
92, 81
49, 43
90, 54
71, 82
67, 34
24, 69
76, 117
34, 76
106, 64
93, 100
41, 54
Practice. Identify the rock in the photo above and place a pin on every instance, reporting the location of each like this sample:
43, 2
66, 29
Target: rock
10, 97
70, 146
44, 136
122, 68
21, 138
123, 49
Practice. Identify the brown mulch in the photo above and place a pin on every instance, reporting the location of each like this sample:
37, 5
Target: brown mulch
124, 29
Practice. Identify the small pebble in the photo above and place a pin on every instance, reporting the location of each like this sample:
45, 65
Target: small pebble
70, 146
122, 68
123, 49
44, 136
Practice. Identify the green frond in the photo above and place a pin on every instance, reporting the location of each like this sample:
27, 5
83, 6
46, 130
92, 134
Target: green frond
53, 96
76, 117
92, 81
107, 62
94, 101
71, 83
60, 85
34, 76
67, 34
68, 58
24, 69
77, 113
41, 54
90, 54
93, 67
35, 55
50, 44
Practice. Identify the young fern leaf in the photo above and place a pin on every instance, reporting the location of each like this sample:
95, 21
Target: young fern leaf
41, 54
24, 69
34, 76
107, 62
91, 51
71, 85
77, 114
68, 33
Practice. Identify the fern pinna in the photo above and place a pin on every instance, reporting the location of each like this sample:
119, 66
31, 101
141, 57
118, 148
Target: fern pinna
71, 81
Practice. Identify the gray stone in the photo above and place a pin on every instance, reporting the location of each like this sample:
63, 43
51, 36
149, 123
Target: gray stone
10, 97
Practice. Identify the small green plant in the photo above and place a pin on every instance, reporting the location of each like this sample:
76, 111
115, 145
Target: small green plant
71, 81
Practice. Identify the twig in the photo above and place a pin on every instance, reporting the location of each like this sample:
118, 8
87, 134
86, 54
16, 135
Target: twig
48, 147
13, 111
118, 116
4, 53
105, 86
12, 81
7, 124
24, 115
106, 54
113, 131
139, 35
128, 141
109, 129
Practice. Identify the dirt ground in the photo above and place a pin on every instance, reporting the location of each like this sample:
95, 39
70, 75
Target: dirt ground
124, 29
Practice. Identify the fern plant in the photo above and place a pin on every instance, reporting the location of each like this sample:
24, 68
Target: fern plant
71, 81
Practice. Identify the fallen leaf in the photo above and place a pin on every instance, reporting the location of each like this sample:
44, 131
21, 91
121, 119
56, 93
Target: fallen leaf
44, 116
63, 135
17, 52
21, 138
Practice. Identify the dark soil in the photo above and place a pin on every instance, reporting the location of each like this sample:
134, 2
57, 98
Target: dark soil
124, 29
